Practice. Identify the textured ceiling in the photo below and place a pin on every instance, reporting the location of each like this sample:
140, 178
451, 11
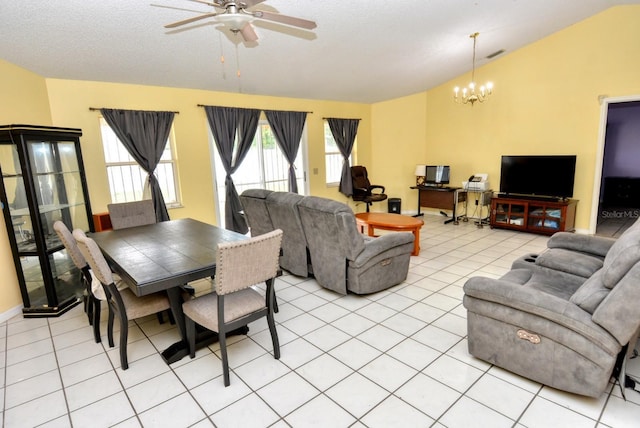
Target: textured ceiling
362, 50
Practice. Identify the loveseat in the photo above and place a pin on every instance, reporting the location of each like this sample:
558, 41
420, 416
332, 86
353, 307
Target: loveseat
563, 317
321, 238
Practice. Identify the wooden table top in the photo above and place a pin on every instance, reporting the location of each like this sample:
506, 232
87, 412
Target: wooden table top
158, 256
389, 220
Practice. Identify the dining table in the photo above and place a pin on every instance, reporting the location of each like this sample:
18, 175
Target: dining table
165, 256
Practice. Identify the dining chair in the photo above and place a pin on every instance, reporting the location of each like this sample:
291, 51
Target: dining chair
91, 303
240, 265
121, 300
131, 214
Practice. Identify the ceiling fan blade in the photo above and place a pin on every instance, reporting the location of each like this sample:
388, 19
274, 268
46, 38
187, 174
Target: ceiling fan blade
251, 3
248, 33
284, 19
190, 20
214, 3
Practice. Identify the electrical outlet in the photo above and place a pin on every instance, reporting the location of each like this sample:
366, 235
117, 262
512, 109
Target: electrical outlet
315, 171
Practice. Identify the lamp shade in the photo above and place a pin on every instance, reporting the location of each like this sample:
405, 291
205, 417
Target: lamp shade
421, 170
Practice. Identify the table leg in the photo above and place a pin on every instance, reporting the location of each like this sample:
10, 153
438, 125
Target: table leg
175, 300
416, 241
370, 230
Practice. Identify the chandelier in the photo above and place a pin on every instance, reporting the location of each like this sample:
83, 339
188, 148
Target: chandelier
468, 94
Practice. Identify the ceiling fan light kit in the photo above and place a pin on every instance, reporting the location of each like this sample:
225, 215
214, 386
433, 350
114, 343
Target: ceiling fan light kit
237, 18
468, 95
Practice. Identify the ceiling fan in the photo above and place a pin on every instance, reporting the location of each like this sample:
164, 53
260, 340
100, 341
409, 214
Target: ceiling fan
236, 16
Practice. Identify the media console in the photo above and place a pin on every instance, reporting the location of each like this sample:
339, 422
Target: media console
535, 215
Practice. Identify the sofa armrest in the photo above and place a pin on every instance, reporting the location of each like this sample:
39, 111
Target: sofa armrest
384, 243
541, 304
596, 245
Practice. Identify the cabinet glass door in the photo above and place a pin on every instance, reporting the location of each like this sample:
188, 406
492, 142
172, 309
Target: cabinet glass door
545, 217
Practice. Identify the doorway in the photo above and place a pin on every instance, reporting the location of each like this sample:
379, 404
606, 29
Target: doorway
617, 189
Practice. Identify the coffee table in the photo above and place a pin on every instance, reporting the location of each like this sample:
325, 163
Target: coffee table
394, 222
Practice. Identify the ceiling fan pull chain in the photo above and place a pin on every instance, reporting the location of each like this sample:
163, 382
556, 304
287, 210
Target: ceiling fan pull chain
238, 68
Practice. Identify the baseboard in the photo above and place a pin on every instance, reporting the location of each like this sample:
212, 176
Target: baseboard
7, 315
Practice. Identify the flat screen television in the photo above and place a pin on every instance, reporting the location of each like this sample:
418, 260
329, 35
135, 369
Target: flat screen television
437, 174
545, 176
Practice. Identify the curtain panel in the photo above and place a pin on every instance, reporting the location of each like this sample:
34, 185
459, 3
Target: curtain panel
287, 126
144, 134
225, 123
344, 133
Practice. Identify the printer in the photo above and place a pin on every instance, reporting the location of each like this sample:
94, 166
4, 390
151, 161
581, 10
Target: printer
477, 183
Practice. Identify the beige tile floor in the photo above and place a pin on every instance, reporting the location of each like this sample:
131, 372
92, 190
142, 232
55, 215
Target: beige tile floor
397, 358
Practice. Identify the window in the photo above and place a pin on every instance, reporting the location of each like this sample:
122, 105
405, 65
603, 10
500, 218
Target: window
264, 167
127, 179
333, 157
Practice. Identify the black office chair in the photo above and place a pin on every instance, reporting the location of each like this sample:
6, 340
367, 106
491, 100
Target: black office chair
363, 189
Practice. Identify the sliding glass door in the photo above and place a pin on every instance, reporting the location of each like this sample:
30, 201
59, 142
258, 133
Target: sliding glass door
264, 167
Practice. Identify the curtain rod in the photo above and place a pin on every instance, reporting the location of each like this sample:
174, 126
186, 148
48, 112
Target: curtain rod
98, 109
325, 118
308, 112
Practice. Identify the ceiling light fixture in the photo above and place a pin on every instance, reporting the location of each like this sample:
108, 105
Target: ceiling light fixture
469, 94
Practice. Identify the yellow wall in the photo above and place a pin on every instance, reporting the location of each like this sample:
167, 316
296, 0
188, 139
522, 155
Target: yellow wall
24, 101
399, 143
545, 102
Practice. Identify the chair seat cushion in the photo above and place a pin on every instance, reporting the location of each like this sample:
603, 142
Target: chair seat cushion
204, 310
98, 290
542, 281
138, 307
376, 197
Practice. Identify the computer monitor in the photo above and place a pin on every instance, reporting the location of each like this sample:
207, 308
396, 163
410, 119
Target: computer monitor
437, 174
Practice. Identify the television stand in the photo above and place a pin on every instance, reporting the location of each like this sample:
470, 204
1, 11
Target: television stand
531, 214
531, 197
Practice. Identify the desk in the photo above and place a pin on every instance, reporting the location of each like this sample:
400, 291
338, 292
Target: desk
444, 198
164, 256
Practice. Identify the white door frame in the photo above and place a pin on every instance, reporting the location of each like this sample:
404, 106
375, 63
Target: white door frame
602, 133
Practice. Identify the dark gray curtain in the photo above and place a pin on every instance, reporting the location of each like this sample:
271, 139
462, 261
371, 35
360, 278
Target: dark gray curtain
287, 126
224, 121
344, 133
144, 134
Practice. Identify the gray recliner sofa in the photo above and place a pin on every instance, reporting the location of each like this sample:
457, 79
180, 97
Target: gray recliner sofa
345, 260
573, 256
254, 204
548, 320
283, 210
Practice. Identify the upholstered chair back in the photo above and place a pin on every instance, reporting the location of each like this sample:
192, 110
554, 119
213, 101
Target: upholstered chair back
132, 214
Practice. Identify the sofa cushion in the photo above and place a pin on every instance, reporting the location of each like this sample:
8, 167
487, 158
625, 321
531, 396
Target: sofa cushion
594, 245
541, 280
622, 256
569, 261
590, 294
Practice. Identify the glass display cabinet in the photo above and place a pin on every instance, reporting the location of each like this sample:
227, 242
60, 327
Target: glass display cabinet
43, 180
